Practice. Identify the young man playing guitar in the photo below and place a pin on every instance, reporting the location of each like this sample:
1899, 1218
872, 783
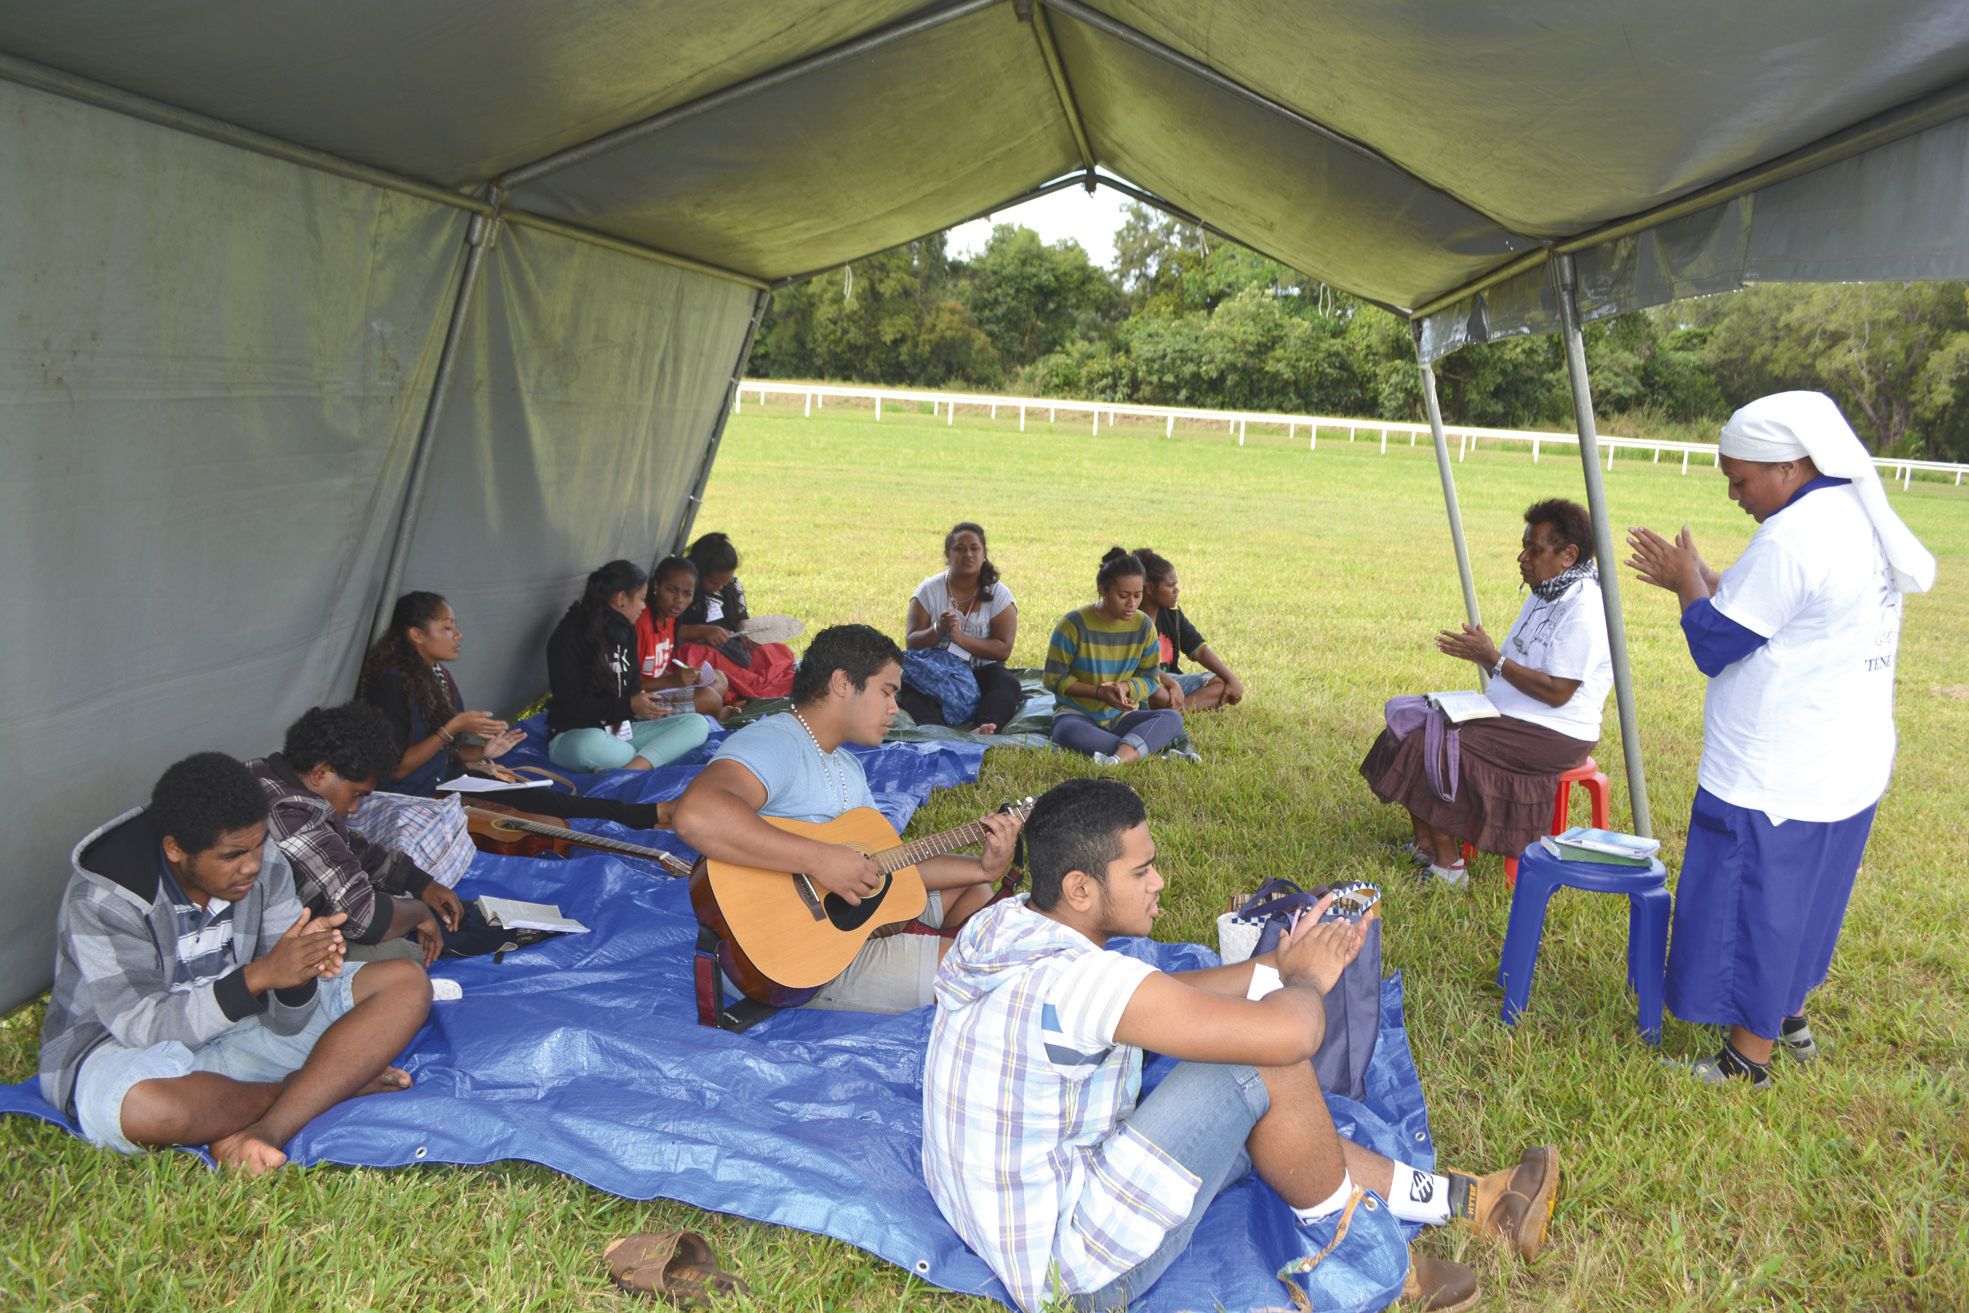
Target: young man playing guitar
792, 766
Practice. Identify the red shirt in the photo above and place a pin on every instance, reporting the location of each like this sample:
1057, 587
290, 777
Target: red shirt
655, 641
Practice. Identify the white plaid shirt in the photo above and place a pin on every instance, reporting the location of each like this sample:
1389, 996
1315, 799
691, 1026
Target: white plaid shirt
1026, 1096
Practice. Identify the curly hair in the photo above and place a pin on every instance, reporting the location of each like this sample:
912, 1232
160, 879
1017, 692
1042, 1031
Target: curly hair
1571, 525
1077, 826
860, 651
394, 652
204, 796
354, 740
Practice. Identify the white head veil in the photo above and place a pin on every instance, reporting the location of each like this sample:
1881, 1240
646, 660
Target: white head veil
1794, 425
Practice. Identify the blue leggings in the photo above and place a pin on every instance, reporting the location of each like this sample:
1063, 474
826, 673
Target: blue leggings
656, 741
1148, 732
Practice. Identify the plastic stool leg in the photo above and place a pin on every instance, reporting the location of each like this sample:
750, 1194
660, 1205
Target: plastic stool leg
1521, 938
1562, 808
1511, 872
1647, 956
1598, 789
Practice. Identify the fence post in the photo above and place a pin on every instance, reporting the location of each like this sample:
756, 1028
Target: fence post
1534, 451
1657, 459
1685, 462
994, 410
878, 408
1312, 437
1022, 417
1097, 421
1052, 414
822, 398
1240, 433
810, 406
1169, 428
950, 413
1291, 430
738, 401
1384, 442
1610, 458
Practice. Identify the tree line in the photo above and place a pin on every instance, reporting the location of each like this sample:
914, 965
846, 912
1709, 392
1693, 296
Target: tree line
1185, 319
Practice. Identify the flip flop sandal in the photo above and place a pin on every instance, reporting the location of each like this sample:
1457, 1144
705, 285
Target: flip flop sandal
673, 1265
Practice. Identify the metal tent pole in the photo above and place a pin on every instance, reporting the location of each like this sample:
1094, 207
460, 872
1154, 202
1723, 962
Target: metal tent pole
696, 499
1435, 410
1603, 548
484, 233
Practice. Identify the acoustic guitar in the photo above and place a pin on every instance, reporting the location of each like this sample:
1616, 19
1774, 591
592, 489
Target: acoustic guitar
784, 935
514, 833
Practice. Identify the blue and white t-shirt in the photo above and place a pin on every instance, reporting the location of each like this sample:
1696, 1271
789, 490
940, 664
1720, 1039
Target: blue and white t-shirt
1026, 1098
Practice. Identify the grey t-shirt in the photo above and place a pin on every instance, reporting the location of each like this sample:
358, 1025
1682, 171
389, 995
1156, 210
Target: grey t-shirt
801, 784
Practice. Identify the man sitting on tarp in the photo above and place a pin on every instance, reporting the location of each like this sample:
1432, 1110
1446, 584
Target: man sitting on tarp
330, 762
1034, 1143
195, 1000
793, 766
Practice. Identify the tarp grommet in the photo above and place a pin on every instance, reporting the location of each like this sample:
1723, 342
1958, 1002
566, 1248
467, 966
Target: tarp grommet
421, 1151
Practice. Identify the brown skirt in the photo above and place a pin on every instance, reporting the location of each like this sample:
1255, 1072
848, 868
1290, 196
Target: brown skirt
1508, 776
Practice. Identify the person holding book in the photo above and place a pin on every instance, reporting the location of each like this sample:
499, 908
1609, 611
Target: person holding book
1216, 685
1101, 667
1799, 640
1547, 684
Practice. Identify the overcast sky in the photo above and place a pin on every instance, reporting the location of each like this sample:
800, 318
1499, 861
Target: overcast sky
1090, 220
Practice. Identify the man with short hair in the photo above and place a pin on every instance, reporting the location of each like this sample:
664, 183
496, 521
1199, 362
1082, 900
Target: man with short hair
1034, 1144
793, 766
195, 1000
332, 760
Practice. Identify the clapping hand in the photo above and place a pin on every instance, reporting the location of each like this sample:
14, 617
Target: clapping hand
1317, 951
1676, 566
1470, 643
1116, 693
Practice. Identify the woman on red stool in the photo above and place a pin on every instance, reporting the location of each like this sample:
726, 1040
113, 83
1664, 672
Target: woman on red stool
1548, 682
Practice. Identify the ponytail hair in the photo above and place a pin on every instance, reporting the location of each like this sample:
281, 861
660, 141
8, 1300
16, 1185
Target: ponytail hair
1116, 563
987, 573
594, 611
712, 553
426, 692
1155, 566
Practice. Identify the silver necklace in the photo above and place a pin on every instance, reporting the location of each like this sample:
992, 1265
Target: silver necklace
830, 770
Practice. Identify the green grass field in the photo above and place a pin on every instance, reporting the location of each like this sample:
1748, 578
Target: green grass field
1321, 577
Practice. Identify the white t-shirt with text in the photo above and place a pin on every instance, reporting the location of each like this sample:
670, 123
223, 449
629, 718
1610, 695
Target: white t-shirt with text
1567, 639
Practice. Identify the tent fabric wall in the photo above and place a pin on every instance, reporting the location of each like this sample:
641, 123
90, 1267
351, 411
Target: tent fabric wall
588, 386
1898, 212
212, 371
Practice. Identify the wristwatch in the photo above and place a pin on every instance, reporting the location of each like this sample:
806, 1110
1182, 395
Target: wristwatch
1497, 671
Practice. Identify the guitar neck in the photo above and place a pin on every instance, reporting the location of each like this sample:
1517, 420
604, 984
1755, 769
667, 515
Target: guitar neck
895, 859
669, 861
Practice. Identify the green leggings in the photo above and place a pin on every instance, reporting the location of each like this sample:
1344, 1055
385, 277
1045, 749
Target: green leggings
656, 741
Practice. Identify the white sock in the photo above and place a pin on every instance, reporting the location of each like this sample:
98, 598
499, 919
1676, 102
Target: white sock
1419, 1196
1330, 1205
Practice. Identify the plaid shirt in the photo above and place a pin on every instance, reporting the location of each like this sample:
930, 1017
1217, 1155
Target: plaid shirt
1026, 1098
335, 869
204, 950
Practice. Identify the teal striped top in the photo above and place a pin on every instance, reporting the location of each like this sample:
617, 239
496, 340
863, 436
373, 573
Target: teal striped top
1089, 647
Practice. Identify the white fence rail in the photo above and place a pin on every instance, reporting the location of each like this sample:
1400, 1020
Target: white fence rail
814, 396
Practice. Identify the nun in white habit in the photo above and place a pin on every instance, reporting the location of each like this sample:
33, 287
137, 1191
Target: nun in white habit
1798, 639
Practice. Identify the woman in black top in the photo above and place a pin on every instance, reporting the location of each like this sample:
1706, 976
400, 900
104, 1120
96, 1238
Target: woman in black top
405, 677
710, 630
600, 717
1216, 685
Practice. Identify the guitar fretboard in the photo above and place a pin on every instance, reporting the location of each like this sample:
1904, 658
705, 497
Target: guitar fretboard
669, 861
895, 859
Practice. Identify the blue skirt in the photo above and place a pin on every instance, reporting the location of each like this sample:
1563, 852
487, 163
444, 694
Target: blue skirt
1758, 912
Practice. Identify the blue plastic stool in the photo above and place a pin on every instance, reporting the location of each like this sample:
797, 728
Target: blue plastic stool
1540, 874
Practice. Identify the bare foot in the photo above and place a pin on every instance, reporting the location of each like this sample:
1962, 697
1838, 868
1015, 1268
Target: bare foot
726, 712
986, 728
387, 1080
247, 1151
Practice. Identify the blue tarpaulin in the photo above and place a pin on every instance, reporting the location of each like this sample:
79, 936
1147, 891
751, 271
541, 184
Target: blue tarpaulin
582, 1054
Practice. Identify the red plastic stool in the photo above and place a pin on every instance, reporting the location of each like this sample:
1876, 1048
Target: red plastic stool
1587, 774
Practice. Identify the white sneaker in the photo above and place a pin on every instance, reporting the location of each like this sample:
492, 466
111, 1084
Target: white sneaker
445, 990
1456, 876
1106, 759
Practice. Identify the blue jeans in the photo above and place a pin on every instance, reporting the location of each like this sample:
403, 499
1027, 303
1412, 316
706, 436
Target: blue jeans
659, 742
1200, 1115
1148, 732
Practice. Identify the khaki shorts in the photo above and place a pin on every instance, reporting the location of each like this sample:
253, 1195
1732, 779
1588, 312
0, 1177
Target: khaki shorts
892, 974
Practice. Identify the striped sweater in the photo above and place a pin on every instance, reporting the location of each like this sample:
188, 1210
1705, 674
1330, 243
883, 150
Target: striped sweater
1089, 647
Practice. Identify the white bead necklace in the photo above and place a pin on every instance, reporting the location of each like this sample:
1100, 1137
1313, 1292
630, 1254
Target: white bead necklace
831, 771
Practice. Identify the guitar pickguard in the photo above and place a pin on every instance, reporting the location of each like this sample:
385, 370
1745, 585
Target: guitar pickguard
851, 916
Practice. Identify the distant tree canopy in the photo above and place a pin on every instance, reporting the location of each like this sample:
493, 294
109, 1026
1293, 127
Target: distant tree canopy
1187, 319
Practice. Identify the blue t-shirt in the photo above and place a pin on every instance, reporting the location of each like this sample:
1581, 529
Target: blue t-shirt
801, 784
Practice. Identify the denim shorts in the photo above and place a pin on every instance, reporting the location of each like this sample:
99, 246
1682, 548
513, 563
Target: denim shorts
1192, 680
248, 1051
1200, 1115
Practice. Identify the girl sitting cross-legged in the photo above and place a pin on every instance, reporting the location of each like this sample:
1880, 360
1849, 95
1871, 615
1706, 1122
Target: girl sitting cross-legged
1102, 666
600, 717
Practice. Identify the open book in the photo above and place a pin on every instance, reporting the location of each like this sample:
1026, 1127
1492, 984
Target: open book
1607, 847
1462, 705
512, 914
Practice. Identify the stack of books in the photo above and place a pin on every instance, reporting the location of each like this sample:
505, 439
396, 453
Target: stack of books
1605, 847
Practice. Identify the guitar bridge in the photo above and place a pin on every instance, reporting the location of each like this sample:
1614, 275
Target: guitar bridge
809, 895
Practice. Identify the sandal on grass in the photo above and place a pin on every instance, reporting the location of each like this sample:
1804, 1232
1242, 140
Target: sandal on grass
673, 1265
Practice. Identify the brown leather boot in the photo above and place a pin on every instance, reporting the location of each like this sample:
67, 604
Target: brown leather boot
1514, 1204
1438, 1285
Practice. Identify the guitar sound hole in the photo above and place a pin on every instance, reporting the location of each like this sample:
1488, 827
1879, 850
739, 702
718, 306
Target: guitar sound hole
846, 916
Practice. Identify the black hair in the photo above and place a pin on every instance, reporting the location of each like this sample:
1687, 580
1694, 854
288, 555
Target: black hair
593, 611
354, 740
1077, 826
1571, 525
1116, 563
393, 651
987, 573
666, 567
202, 797
1155, 567
712, 553
860, 651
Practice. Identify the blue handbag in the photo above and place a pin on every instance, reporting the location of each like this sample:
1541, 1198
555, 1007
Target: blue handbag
942, 674
1353, 1005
